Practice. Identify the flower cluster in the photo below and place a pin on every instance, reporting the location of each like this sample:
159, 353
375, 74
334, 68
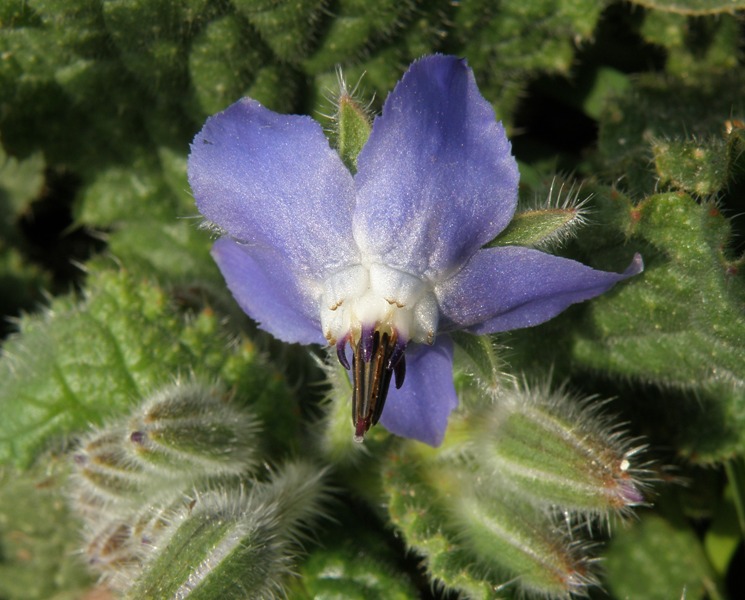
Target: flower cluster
384, 263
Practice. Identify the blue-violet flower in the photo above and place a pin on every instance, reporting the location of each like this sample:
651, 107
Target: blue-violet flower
387, 260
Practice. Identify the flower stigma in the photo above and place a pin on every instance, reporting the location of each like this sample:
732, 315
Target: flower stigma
377, 311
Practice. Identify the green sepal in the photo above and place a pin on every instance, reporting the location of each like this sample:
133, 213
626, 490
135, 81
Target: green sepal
352, 128
539, 227
508, 537
416, 509
478, 356
190, 427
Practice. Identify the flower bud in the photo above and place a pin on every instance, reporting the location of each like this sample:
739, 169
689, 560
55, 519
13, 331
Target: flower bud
106, 474
191, 426
510, 537
233, 543
556, 450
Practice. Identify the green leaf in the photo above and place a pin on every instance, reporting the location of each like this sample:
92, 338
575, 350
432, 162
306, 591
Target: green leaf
696, 166
508, 42
277, 87
21, 283
674, 112
680, 324
16, 13
175, 251
21, 182
126, 192
78, 24
152, 39
606, 82
696, 47
223, 61
39, 536
355, 27
724, 535
693, 7
666, 562
736, 474
288, 28
81, 361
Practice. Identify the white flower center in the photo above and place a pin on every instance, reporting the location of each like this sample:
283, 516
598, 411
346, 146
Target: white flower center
378, 297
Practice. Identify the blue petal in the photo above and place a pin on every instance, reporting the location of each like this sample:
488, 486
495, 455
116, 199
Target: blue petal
420, 409
436, 179
265, 288
272, 180
510, 287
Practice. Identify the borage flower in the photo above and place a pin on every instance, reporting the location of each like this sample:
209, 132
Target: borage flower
388, 260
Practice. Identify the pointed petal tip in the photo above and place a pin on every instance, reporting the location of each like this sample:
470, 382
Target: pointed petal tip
636, 266
533, 287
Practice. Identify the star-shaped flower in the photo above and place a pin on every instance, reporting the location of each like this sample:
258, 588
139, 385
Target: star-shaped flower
386, 261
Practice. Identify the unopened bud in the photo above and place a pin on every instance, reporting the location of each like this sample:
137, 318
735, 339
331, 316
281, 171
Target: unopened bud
232, 543
522, 543
556, 450
191, 426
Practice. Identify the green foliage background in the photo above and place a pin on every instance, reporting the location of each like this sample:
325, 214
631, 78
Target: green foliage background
108, 290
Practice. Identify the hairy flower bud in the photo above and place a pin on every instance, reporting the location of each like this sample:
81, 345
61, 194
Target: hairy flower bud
509, 536
234, 542
556, 450
190, 425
